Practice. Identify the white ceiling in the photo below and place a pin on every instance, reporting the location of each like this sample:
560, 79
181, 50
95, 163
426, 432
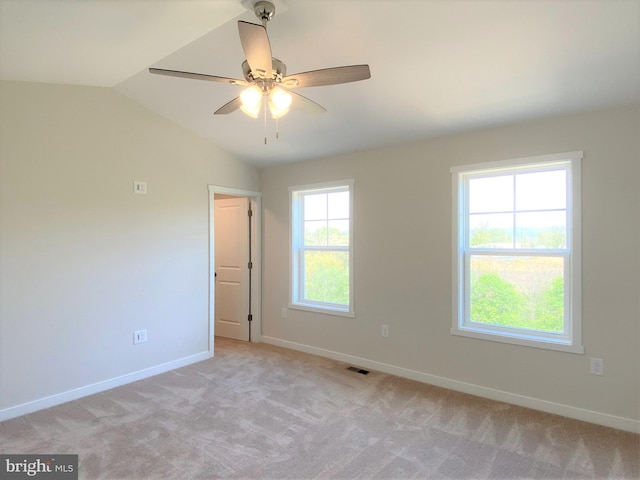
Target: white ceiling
437, 66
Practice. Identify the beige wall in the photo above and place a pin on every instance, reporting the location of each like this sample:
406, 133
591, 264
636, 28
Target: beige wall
84, 262
402, 202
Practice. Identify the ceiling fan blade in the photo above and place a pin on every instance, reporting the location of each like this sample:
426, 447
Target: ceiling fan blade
306, 104
229, 107
197, 76
327, 76
257, 48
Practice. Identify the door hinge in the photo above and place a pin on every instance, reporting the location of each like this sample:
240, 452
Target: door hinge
250, 213
250, 265
250, 318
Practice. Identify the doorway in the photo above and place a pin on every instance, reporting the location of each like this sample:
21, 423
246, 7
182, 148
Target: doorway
234, 265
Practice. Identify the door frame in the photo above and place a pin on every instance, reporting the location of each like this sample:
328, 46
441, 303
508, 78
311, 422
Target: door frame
256, 251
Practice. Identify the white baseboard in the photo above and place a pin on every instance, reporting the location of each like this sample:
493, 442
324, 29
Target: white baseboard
590, 416
57, 399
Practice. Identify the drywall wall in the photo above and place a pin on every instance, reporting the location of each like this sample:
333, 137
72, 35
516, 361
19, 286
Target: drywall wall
402, 273
85, 261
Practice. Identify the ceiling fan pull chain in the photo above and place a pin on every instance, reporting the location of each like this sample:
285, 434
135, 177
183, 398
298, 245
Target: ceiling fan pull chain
265, 118
277, 129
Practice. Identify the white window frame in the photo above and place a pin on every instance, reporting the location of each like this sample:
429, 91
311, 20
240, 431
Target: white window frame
571, 339
296, 249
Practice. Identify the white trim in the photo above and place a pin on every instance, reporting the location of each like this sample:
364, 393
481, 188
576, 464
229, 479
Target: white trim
598, 418
256, 248
514, 338
80, 392
323, 185
323, 310
500, 164
575, 297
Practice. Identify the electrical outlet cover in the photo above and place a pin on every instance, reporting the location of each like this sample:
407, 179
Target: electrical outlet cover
597, 366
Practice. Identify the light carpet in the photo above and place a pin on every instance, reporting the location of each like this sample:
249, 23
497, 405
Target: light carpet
257, 411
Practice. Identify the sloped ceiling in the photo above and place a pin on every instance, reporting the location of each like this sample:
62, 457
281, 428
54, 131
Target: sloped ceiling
437, 66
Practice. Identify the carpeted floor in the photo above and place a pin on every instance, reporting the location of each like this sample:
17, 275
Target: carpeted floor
258, 411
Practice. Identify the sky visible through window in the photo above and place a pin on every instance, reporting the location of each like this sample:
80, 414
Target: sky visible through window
526, 205
328, 211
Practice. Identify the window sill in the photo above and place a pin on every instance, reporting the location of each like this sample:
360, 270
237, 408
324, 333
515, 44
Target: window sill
522, 340
323, 310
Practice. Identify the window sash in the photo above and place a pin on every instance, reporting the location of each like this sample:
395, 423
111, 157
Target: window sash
514, 214
562, 337
302, 294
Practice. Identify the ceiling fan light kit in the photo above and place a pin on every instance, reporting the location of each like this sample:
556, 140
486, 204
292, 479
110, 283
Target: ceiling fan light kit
251, 99
279, 102
266, 77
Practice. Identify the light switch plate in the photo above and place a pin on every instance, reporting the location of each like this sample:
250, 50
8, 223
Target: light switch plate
140, 187
139, 336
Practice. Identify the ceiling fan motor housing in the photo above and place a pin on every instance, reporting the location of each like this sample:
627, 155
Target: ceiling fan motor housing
264, 11
279, 70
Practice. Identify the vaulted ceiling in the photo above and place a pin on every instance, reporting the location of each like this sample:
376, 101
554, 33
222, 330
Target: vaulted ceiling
437, 66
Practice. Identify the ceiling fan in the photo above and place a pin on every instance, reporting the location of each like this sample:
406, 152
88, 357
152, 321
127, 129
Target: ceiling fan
266, 77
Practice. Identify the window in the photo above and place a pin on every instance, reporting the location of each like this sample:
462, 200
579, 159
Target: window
322, 248
516, 262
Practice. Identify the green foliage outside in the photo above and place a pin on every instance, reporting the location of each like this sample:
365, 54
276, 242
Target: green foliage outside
326, 236
327, 277
549, 310
327, 272
484, 236
551, 237
496, 301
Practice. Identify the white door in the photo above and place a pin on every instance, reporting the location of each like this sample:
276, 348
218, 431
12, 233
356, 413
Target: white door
231, 226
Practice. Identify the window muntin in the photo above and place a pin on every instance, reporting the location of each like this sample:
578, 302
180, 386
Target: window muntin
516, 233
321, 248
